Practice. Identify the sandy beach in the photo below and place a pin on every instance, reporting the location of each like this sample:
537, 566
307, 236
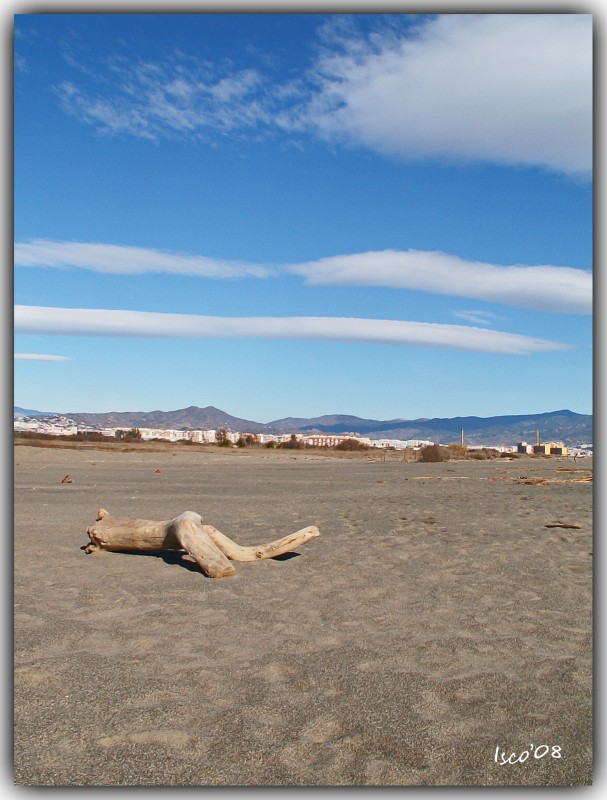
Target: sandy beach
441, 623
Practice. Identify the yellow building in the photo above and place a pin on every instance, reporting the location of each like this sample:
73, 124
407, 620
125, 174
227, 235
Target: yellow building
550, 449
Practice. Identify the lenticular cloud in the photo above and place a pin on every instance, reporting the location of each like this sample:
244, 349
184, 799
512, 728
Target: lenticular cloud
550, 288
123, 260
539, 288
102, 322
39, 357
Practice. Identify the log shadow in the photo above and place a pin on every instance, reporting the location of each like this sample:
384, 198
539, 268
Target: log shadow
181, 558
175, 557
285, 556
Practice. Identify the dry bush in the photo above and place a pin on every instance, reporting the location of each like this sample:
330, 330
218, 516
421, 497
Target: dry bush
433, 453
484, 453
351, 444
457, 450
293, 443
82, 436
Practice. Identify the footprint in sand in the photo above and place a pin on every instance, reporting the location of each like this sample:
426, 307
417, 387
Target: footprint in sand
319, 743
164, 737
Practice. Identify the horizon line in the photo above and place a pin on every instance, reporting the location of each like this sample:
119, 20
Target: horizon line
319, 416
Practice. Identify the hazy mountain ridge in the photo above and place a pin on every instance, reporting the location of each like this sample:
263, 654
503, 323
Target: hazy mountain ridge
563, 425
552, 423
29, 412
557, 426
191, 418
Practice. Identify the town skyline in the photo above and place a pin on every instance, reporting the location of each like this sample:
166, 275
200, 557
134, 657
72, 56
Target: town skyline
201, 424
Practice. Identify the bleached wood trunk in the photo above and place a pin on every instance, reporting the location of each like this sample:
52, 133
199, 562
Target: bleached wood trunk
126, 533
208, 547
236, 552
192, 537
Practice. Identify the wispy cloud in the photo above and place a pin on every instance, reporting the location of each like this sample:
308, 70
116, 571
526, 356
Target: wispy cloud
187, 97
102, 322
511, 89
477, 317
39, 357
543, 288
21, 64
120, 259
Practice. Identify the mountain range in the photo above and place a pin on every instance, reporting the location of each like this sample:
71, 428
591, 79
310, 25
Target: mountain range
563, 426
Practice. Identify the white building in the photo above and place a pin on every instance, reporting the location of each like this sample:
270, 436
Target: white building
400, 444
26, 424
324, 440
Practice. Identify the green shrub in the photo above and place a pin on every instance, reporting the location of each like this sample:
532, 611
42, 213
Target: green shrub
222, 439
134, 435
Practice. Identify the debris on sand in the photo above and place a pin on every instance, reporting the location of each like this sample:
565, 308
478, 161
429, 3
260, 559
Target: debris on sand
561, 525
545, 481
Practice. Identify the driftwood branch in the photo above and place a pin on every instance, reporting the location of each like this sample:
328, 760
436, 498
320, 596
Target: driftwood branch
211, 549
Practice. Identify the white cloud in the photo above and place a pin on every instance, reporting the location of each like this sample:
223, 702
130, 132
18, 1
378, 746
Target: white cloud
39, 357
119, 259
102, 322
504, 88
512, 89
543, 288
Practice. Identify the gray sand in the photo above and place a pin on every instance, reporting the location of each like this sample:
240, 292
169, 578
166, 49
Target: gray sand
436, 619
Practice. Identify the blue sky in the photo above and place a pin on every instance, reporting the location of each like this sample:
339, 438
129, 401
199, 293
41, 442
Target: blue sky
303, 214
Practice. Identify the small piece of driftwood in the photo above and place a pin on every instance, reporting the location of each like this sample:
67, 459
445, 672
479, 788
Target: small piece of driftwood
211, 550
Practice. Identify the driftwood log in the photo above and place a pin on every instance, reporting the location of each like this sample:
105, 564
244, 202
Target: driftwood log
211, 550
